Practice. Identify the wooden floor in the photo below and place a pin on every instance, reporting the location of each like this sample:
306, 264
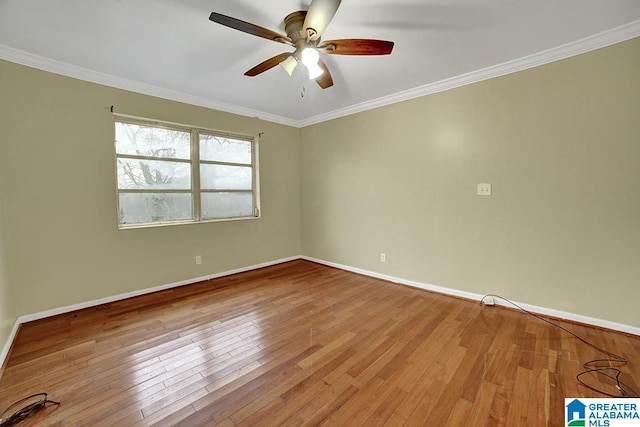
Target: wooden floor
303, 344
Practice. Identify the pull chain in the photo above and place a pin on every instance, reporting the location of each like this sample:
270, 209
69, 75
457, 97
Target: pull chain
303, 81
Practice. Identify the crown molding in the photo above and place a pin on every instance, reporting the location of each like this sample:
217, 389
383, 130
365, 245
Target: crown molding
62, 68
597, 41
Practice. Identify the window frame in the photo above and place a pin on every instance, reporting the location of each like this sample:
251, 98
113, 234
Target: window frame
195, 163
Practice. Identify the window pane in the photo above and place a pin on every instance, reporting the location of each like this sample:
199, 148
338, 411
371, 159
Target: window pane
220, 149
218, 177
226, 205
153, 207
153, 174
152, 141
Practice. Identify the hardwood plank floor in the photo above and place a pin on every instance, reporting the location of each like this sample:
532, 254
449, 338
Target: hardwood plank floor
304, 344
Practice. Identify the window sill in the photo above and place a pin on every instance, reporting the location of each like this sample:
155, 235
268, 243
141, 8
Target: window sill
173, 223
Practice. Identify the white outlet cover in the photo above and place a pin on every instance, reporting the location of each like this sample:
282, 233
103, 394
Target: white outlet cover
484, 189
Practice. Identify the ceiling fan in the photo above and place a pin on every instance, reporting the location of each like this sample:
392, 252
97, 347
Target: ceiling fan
304, 30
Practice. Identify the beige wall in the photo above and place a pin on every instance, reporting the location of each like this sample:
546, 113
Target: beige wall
8, 312
59, 169
559, 143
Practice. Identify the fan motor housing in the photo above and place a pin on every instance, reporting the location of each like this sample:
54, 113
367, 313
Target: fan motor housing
293, 23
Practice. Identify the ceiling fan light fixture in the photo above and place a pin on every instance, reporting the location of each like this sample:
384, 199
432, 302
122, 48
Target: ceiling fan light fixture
314, 71
289, 64
309, 57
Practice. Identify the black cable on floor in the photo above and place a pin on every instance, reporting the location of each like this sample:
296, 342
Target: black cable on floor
609, 367
26, 411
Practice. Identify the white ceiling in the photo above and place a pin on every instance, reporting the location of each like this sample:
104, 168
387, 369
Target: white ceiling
171, 49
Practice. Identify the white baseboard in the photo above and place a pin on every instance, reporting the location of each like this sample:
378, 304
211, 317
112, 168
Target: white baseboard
439, 289
69, 308
477, 297
8, 343
107, 300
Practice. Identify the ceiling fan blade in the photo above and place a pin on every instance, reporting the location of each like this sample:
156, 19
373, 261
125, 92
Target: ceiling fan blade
356, 47
318, 17
268, 64
249, 28
324, 80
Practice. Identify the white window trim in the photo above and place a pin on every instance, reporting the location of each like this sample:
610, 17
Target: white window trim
195, 162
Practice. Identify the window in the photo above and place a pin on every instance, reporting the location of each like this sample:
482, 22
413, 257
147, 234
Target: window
175, 174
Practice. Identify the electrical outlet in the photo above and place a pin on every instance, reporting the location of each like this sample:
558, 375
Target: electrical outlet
198, 260
484, 189
383, 257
